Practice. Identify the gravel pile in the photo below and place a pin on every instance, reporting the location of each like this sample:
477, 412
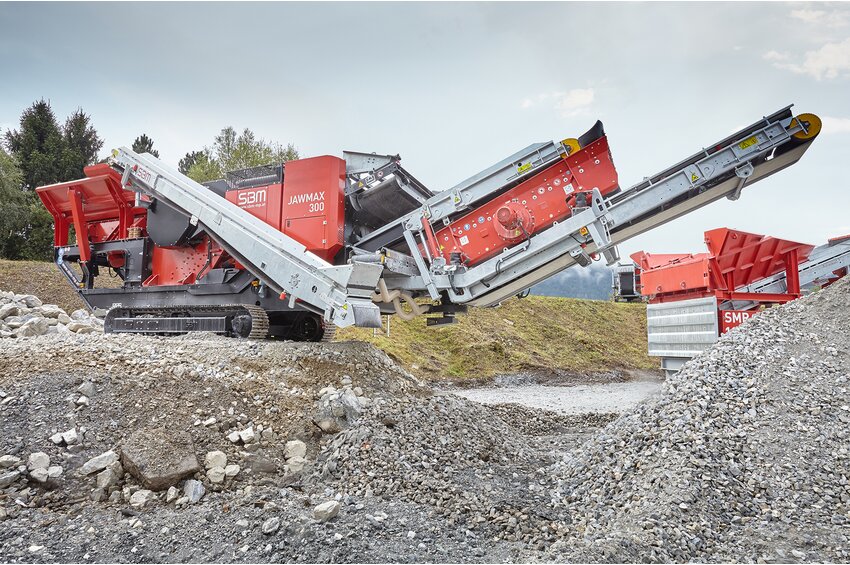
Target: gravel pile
449, 454
24, 315
744, 457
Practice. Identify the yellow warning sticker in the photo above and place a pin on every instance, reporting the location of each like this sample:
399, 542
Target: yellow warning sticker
694, 177
584, 231
748, 142
523, 167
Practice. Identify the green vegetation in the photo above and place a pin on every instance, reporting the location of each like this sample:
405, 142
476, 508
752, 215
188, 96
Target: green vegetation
232, 151
42, 152
144, 144
538, 333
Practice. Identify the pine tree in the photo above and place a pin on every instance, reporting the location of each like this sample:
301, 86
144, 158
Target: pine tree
82, 144
38, 146
190, 159
144, 144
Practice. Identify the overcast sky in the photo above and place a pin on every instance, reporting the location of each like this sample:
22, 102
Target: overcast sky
454, 88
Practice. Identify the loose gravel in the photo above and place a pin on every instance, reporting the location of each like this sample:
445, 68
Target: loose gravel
333, 453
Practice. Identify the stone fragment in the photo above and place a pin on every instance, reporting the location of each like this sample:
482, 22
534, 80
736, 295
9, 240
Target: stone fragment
55, 471
247, 435
107, 478
159, 458
295, 448
215, 459
99, 463
7, 479
38, 460
172, 494
141, 498
326, 510
39, 474
7, 461
194, 490
216, 475
231, 471
271, 525
296, 464
87, 389
70, 437
233, 437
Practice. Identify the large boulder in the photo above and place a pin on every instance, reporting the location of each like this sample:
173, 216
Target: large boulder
159, 458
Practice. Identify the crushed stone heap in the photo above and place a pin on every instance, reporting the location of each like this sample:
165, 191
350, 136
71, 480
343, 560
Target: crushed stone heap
25, 315
743, 457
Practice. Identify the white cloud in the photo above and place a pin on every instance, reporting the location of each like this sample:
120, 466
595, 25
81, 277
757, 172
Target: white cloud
834, 18
829, 62
570, 103
833, 125
775, 56
809, 16
574, 102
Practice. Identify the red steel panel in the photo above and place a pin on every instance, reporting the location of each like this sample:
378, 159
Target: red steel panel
744, 258
532, 206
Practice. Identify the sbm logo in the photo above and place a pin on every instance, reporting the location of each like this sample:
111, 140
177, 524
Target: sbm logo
252, 198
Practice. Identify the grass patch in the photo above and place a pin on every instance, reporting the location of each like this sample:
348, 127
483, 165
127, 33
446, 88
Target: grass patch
538, 333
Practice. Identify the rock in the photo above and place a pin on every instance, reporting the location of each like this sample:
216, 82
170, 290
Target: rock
55, 471
326, 511
50, 310
80, 314
7, 461
215, 459
231, 471
33, 327
29, 300
7, 479
64, 319
8, 310
295, 448
99, 463
159, 458
216, 475
87, 389
247, 435
172, 494
57, 438
328, 426
141, 498
107, 478
271, 525
80, 327
38, 460
194, 490
260, 464
296, 464
242, 523
70, 437
233, 437
83, 401
39, 475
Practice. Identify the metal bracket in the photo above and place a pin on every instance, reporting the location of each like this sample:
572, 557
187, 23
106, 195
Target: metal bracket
743, 173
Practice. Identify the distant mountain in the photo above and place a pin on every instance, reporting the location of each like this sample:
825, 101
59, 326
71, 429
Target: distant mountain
593, 283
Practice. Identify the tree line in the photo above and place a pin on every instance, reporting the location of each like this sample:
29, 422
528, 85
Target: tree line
43, 151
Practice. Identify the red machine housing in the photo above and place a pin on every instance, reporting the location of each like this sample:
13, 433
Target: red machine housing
309, 206
537, 203
735, 259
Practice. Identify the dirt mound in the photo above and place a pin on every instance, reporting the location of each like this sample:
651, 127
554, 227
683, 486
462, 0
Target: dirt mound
743, 457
